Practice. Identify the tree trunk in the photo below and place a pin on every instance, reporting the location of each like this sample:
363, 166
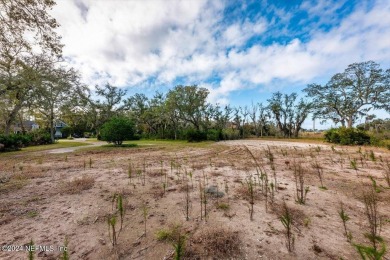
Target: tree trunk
52, 127
11, 119
350, 122
296, 132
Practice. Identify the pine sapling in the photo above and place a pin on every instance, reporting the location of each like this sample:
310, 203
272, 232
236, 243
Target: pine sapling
251, 198
120, 208
187, 202
31, 250
272, 192
354, 165
301, 190
374, 185
370, 199
344, 218
319, 169
130, 172
287, 221
201, 199
145, 212
65, 252
179, 246
111, 221
372, 156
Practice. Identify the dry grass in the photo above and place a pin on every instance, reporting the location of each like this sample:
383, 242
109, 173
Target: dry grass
215, 242
30, 175
77, 185
243, 192
12, 185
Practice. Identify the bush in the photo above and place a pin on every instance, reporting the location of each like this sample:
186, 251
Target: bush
39, 137
193, 135
117, 130
230, 134
347, 136
214, 135
66, 131
14, 142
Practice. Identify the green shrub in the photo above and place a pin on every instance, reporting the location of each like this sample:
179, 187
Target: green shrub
193, 135
214, 135
39, 137
66, 131
14, 142
380, 139
347, 136
117, 130
230, 134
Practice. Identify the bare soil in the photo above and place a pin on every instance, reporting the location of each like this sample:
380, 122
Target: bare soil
48, 197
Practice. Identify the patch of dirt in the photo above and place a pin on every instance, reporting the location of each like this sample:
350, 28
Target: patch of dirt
51, 197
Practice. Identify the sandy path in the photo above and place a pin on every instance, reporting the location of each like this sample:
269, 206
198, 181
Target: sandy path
72, 149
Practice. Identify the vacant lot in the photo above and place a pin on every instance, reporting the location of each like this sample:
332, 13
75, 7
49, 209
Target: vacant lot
203, 194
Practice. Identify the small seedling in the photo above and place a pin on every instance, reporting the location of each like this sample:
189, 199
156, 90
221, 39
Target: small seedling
111, 221
354, 165
374, 185
372, 156
319, 169
65, 252
31, 250
368, 252
370, 200
145, 214
344, 218
251, 199
187, 202
130, 172
201, 199
287, 221
90, 162
272, 192
179, 245
301, 190
120, 208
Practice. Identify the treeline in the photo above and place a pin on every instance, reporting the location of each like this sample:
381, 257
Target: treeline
184, 113
35, 81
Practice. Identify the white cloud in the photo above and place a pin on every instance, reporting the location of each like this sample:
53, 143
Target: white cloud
129, 42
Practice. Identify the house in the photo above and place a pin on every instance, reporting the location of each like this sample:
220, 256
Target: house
58, 126
25, 126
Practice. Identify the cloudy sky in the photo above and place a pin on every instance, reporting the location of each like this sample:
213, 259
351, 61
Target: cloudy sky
240, 51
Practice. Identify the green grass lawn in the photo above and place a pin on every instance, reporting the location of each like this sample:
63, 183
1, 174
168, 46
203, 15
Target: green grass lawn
168, 144
59, 144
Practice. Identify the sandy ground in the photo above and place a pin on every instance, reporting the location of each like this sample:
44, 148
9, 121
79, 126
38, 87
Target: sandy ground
39, 200
72, 149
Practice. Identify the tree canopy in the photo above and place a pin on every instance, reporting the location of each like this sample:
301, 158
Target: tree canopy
352, 94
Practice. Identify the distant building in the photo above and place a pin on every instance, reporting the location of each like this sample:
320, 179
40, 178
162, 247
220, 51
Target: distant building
25, 126
58, 126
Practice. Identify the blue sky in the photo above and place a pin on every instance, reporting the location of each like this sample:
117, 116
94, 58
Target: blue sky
242, 51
